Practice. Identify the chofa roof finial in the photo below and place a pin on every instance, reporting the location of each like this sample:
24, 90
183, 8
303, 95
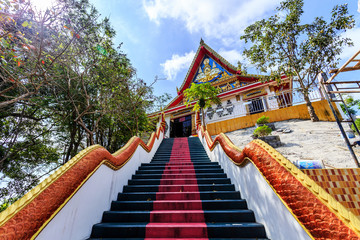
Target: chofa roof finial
201, 41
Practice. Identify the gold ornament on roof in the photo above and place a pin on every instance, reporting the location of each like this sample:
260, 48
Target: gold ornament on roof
209, 72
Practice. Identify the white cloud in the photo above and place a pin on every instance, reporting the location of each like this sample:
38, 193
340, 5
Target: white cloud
212, 18
354, 35
173, 66
233, 56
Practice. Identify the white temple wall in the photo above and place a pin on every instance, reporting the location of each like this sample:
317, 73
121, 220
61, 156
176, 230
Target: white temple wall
238, 110
270, 101
167, 121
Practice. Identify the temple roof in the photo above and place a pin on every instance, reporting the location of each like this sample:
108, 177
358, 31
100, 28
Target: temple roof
215, 62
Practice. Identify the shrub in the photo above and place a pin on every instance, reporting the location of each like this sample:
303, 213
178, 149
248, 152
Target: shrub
262, 120
262, 131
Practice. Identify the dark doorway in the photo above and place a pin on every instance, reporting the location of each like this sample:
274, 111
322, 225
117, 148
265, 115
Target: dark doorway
180, 127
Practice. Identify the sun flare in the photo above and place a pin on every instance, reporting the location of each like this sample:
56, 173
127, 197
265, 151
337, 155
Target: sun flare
42, 5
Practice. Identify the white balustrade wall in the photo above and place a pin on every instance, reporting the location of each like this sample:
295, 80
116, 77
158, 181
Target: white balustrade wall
268, 208
86, 206
269, 102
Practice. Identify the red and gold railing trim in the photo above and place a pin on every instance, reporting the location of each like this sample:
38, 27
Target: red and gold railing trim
26, 217
316, 210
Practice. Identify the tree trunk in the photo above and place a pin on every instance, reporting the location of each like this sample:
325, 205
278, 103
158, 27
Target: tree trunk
91, 138
71, 144
203, 118
73, 130
310, 108
109, 140
77, 143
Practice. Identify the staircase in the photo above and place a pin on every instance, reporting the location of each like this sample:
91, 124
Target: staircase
179, 195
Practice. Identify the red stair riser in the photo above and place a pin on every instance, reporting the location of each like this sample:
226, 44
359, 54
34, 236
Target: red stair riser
176, 238
179, 167
182, 160
175, 166
176, 230
177, 205
178, 188
177, 216
177, 170
175, 176
178, 196
178, 181
178, 163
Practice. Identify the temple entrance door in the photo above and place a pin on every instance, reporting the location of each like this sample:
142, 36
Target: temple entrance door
172, 128
180, 127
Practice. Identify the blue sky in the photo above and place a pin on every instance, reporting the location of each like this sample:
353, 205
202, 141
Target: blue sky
161, 37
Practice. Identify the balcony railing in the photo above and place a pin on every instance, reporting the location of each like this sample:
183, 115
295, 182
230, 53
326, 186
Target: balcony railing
261, 104
290, 98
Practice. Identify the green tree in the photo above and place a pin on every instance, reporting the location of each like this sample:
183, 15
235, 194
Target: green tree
159, 102
350, 103
63, 86
286, 46
204, 94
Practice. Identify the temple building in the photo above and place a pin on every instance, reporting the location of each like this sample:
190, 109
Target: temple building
240, 93
197, 187
244, 98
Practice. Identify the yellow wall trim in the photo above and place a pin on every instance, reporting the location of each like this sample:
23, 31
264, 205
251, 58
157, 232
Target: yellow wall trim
336, 207
33, 193
15, 223
322, 110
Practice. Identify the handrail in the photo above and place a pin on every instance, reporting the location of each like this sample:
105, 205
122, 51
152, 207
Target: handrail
269, 102
27, 216
321, 215
343, 67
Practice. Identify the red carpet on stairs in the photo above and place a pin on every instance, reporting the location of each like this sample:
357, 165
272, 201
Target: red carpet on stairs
177, 211
182, 195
